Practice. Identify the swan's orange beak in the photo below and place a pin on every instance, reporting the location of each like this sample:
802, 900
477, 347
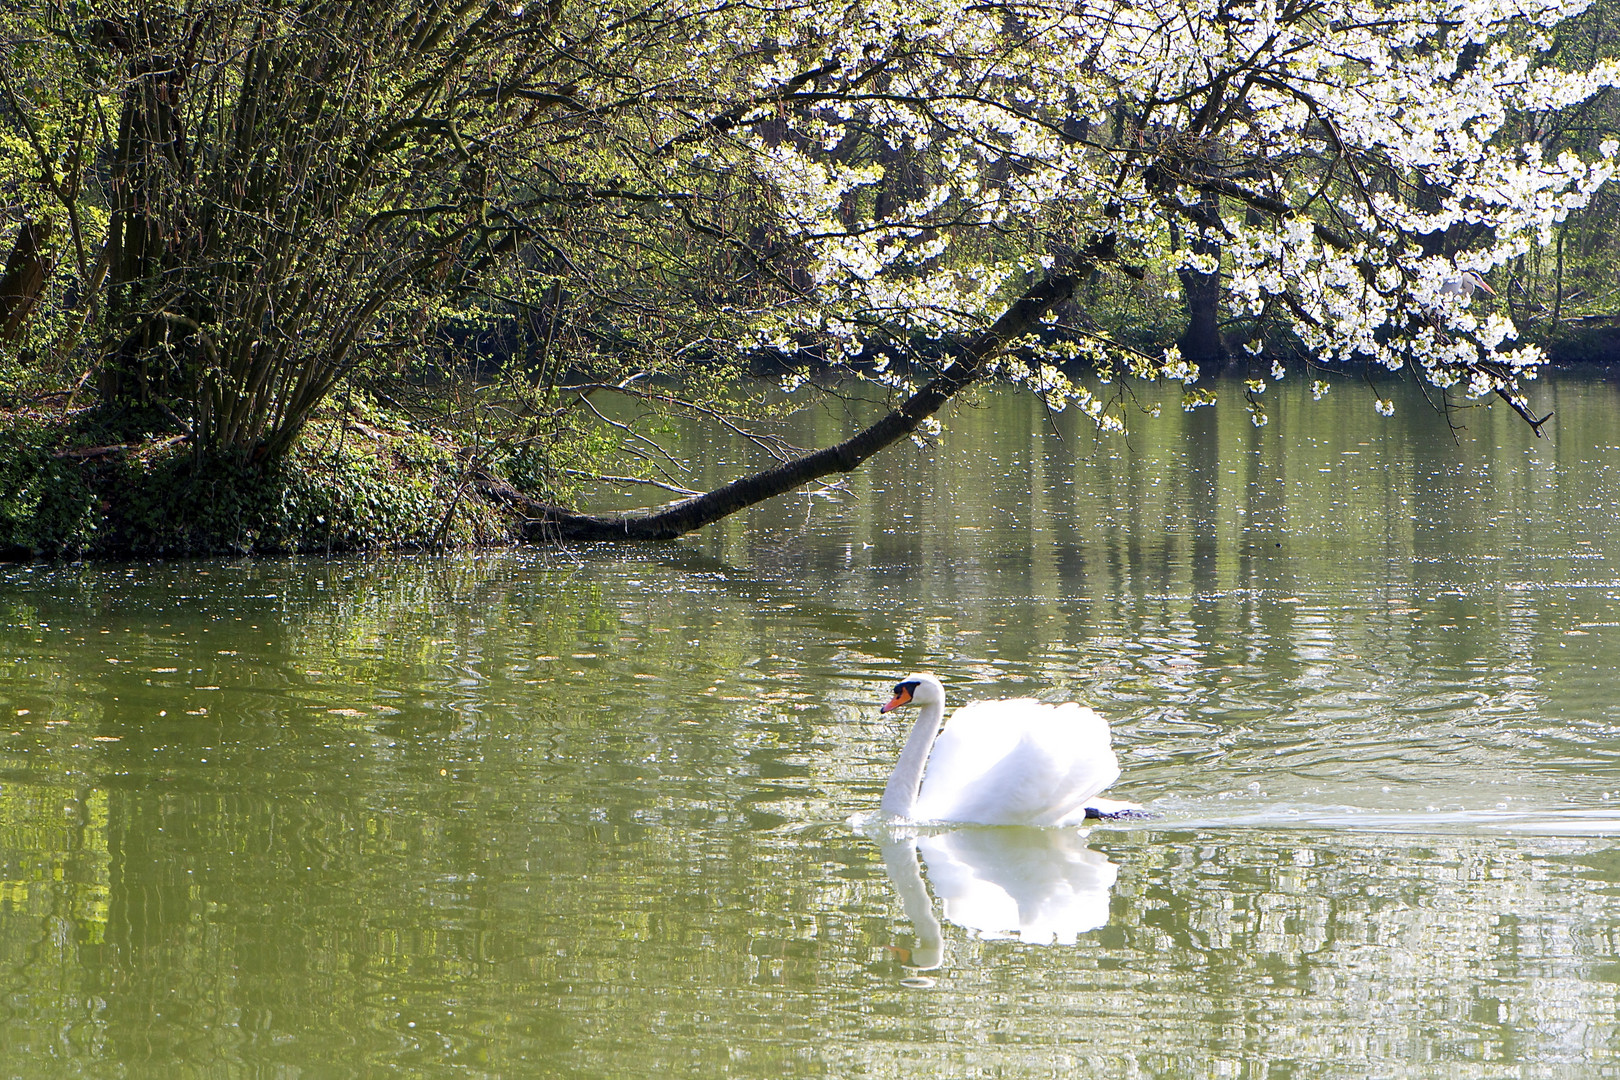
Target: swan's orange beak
902, 697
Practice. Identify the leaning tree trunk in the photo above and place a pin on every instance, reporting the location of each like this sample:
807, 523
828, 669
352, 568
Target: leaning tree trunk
550, 523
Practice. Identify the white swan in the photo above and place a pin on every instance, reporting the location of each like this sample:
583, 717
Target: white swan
1016, 762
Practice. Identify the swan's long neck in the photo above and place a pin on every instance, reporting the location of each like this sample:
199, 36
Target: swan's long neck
900, 796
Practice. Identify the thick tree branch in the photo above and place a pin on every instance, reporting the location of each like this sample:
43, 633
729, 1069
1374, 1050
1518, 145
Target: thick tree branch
682, 517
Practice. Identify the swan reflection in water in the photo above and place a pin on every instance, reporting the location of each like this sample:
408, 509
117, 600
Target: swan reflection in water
1041, 886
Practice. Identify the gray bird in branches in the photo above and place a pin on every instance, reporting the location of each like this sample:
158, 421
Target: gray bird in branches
1465, 284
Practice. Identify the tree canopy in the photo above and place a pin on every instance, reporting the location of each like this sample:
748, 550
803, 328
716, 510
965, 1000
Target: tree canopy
222, 211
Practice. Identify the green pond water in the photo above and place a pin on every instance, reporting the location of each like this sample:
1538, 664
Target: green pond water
605, 813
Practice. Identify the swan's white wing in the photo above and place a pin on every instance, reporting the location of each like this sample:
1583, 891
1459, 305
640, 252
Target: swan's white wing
1017, 762
977, 737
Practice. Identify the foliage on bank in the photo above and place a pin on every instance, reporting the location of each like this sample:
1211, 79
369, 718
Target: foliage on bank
348, 486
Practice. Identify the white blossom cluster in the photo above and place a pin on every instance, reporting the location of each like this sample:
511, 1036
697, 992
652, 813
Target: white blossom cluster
996, 140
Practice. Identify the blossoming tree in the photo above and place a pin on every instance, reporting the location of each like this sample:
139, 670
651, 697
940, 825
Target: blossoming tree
265, 197
1316, 152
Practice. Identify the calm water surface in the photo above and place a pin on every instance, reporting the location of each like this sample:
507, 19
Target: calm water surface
598, 813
